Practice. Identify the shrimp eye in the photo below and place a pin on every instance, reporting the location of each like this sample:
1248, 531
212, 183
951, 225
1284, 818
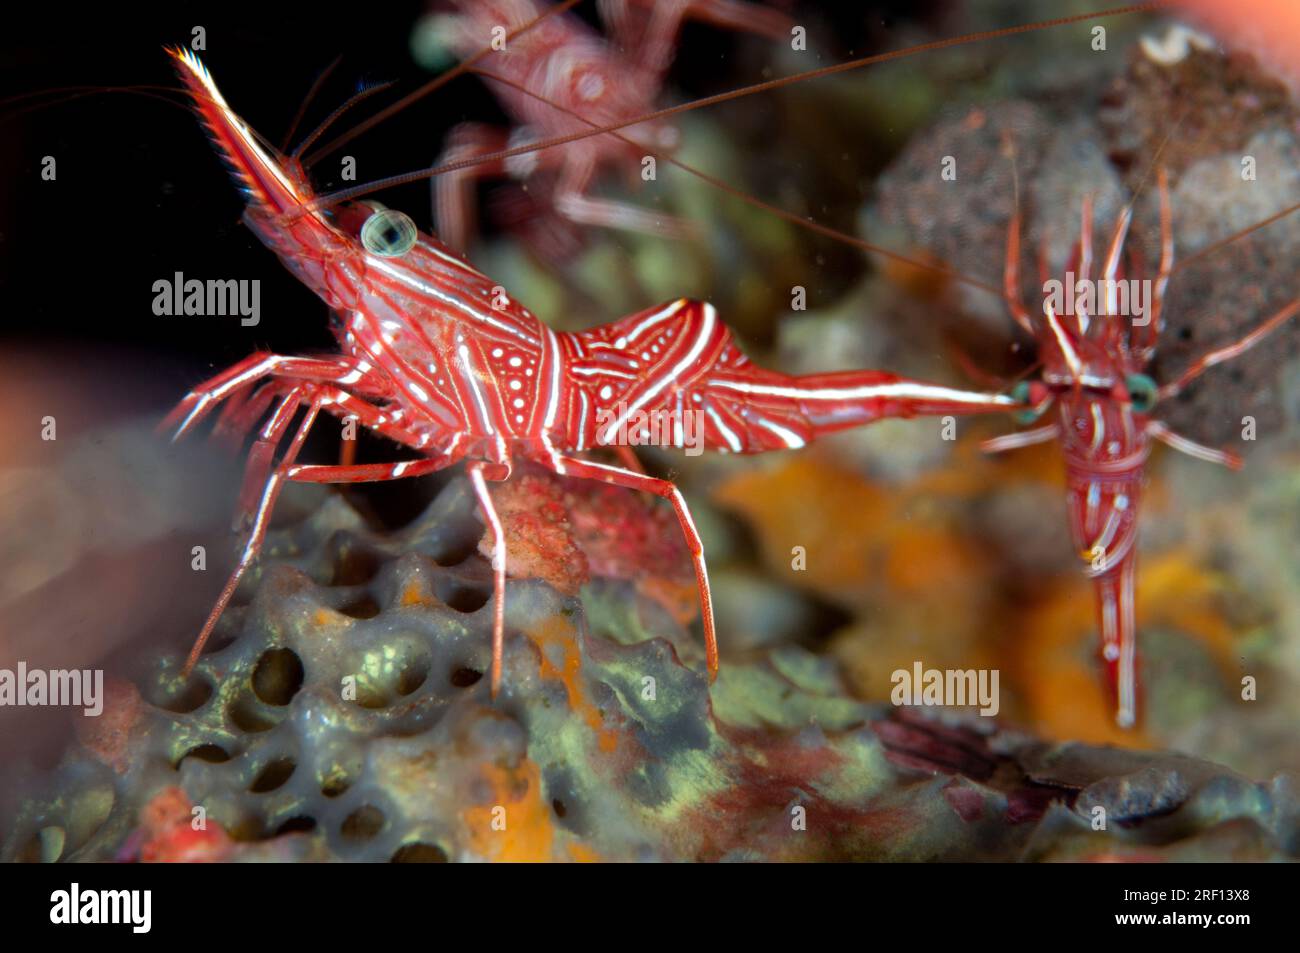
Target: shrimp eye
1142, 391
389, 233
1023, 393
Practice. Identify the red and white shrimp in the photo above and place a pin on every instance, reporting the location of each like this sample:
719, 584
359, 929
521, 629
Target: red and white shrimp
436, 357
1094, 368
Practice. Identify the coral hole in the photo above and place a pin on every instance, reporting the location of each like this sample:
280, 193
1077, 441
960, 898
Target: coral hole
212, 754
273, 776
464, 677
419, 853
462, 596
277, 676
363, 823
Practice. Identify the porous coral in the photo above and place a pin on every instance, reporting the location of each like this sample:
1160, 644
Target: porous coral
342, 714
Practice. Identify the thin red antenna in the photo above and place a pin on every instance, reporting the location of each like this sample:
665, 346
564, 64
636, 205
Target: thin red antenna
72, 93
436, 83
1215, 246
307, 100
333, 117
